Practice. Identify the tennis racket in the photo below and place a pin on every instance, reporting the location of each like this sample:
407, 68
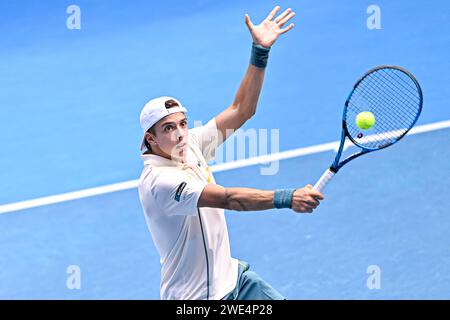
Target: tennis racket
394, 97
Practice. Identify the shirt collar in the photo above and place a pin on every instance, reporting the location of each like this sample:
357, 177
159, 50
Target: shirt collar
158, 161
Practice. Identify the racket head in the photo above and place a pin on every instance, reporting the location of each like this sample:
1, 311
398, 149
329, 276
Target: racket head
395, 98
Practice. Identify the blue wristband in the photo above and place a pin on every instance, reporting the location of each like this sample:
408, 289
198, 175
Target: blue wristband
282, 198
259, 56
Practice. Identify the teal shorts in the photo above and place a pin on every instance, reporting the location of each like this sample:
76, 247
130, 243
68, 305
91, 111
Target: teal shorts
251, 286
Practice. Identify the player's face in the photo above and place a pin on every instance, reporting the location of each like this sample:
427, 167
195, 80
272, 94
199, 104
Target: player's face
171, 135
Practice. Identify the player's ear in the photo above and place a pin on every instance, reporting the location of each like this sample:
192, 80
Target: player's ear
150, 138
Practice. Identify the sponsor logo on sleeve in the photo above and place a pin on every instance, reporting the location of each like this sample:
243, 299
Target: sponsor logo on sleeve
180, 191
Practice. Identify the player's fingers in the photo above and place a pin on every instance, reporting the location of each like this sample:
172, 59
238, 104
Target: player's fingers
309, 204
287, 28
314, 201
316, 194
284, 14
303, 209
248, 22
273, 13
289, 17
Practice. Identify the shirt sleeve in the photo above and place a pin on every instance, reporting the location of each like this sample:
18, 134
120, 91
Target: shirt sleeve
177, 193
208, 138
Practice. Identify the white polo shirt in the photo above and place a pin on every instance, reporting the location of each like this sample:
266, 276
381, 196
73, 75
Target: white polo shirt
192, 242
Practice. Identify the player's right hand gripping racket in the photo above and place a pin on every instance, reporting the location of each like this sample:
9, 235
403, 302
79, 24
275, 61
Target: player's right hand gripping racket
394, 97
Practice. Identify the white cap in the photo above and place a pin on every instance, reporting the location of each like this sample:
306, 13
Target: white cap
155, 110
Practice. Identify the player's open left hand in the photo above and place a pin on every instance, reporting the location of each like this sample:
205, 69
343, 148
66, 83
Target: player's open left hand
268, 31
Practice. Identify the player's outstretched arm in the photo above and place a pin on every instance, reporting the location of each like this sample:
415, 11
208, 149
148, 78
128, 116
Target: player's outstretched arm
246, 199
264, 36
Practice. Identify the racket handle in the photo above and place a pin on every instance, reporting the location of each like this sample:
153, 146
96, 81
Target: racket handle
323, 181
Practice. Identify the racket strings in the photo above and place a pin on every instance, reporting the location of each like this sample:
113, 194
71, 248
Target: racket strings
405, 108
379, 100
401, 98
380, 95
382, 135
393, 97
406, 84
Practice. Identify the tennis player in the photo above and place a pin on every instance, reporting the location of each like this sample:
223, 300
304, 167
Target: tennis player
183, 205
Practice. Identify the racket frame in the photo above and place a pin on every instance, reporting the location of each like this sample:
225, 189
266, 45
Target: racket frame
337, 164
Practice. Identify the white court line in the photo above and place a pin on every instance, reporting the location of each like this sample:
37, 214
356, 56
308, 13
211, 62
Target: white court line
331, 146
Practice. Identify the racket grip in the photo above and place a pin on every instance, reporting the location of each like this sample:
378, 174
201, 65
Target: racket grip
323, 181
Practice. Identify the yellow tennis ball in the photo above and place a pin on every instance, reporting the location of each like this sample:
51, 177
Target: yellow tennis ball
365, 120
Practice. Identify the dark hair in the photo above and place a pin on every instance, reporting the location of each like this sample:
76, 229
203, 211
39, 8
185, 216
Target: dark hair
168, 104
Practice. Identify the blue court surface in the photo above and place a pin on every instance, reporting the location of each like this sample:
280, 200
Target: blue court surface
69, 112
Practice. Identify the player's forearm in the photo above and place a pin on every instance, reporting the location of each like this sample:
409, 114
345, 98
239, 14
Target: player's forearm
246, 199
239, 199
248, 93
